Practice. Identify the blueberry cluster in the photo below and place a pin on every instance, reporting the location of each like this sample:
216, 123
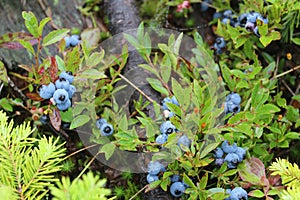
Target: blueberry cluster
61, 91
232, 104
219, 45
177, 187
165, 107
232, 154
245, 20
204, 5
237, 194
105, 128
71, 41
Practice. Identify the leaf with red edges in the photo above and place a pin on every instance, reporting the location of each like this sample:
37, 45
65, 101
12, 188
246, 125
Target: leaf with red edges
53, 69
10, 40
253, 171
34, 96
55, 119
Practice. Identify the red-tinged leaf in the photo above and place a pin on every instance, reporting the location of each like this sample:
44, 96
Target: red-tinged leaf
55, 119
253, 171
53, 70
34, 96
274, 180
10, 40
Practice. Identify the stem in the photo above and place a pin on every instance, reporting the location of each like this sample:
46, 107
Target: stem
131, 198
288, 71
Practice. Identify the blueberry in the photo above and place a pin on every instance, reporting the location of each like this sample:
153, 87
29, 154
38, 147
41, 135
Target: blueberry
177, 189
67, 76
100, 122
227, 13
217, 15
106, 129
62, 83
155, 167
241, 152
71, 91
218, 153
234, 98
233, 108
44, 119
238, 193
256, 32
232, 160
184, 140
242, 19
67, 40
74, 40
60, 96
175, 178
151, 178
164, 101
250, 26
252, 16
161, 139
225, 20
228, 191
219, 161
64, 106
174, 101
221, 43
167, 128
47, 91
229, 148
204, 6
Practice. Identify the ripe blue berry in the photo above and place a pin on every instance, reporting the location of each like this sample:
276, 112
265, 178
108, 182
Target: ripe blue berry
106, 129
161, 139
242, 19
167, 128
174, 101
177, 189
64, 106
155, 167
252, 16
100, 122
67, 40
232, 160
238, 193
250, 26
60, 96
184, 140
228, 191
67, 75
217, 15
74, 40
218, 153
235, 98
228, 148
221, 43
219, 161
204, 6
241, 152
164, 101
233, 108
256, 31
227, 13
71, 91
62, 83
175, 178
47, 91
151, 178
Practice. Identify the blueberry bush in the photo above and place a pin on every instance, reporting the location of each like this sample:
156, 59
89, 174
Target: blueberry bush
225, 125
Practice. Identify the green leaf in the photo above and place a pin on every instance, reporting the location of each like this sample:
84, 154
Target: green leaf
108, 150
3, 73
92, 74
164, 184
31, 23
157, 85
79, 121
292, 135
42, 24
27, 45
95, 59
203, 181
296, 41
123, 123
268, 109
4, 103
55, 36
256, 193
296, 97
60, 63
207, 149
292, 114
188, 181
177, 44
67, 116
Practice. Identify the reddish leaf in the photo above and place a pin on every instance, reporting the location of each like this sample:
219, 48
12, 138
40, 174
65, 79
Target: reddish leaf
55, 119
253, 171
53, 69
34, 96
10, 40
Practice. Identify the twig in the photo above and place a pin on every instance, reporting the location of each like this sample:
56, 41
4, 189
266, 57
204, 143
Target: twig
276, 67
1, 87
131, 198
78, 151
87, 166
48, 13
12, 84
289, 89
288, 71
135, 87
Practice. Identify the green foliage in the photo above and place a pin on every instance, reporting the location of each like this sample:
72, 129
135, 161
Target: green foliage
89, 187
27, 164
